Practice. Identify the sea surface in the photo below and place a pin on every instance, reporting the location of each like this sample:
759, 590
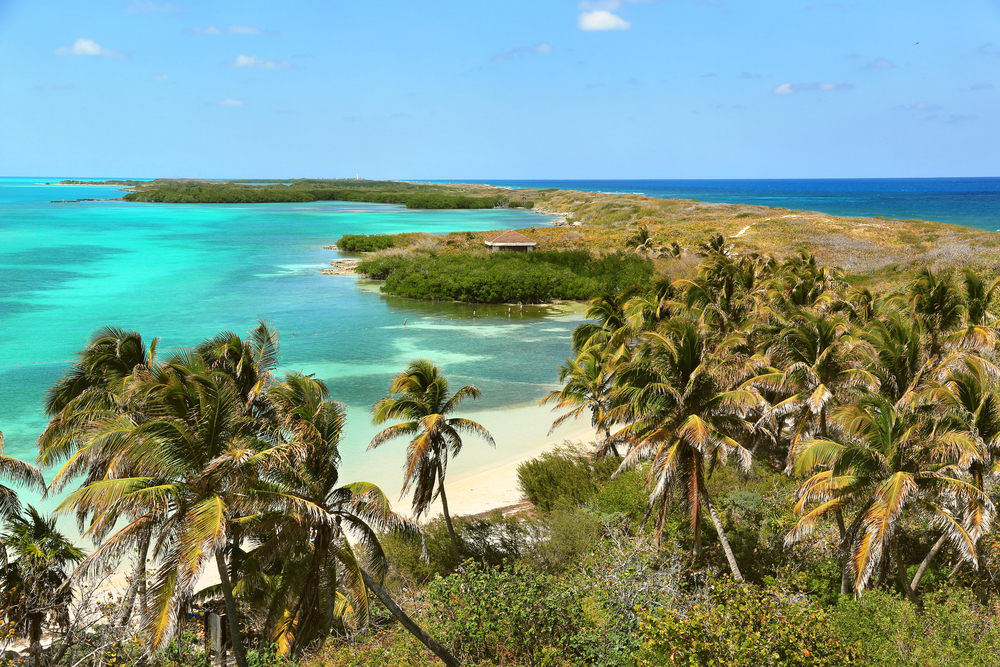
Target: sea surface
970, 202
184, 272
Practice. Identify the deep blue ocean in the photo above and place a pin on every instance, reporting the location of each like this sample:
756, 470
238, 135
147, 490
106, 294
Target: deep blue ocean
970, 202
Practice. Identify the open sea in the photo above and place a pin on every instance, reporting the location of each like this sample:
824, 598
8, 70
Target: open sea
183, 272
970, 202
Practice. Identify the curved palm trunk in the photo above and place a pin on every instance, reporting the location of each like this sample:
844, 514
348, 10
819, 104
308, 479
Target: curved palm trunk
607, 437
404, 620
231, 610
926, 562
447, 516
733, 566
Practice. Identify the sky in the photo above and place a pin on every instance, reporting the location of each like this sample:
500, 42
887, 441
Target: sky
500, 89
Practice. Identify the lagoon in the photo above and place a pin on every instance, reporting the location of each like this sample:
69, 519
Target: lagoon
184, 272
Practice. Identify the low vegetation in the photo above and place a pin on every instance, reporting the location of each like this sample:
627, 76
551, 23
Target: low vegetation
411, 195
535, 277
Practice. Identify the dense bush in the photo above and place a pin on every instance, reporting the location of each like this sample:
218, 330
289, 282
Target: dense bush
533, 277
563, 477
365, 243
738, 625
506, 616
888, 631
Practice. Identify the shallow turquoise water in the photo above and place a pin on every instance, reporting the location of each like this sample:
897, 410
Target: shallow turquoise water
185, 272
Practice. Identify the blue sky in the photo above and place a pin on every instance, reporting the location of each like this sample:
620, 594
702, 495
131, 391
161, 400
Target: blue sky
483, 89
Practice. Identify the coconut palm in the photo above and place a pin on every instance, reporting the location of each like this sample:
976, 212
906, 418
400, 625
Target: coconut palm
22, 474
420, 396
679, 411
31, 584
319, 569
890, 462
588, 380
979, 331
938, 307
104, 383
196, 464
820, 367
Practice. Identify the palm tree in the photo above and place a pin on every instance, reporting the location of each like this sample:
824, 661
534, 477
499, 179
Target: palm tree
24, 475
319, 545
890, 462
588, 380
196, 466
980, 325
102, 384
938, 307
679, 412
420, 395
32, 581
817, 353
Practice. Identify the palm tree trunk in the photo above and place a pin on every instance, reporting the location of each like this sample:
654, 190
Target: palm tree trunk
607, 436
404, 620
722, 534
231, 610
845, 553
447, 516
927, 561
904, 583
137, 586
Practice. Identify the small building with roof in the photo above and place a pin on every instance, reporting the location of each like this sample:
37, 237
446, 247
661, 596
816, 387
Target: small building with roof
511, 241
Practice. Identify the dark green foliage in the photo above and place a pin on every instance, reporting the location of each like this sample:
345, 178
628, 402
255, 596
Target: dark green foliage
563, 477
510, 616
533, 277
411, 195
365, 243
888, 631
742, 626
625, 496
490, 540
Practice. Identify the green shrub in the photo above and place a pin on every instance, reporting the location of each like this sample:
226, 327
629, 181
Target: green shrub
563, 537
503, 277
509, 616
383, 648
741, 625
952, 630
365, 243
563, 477
625, 495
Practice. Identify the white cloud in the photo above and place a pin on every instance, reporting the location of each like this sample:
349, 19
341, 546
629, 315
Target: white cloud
229, 103
258, 63
880, 63
231, 30
544, 47
88, 47
600, 19
160, 77
789, 88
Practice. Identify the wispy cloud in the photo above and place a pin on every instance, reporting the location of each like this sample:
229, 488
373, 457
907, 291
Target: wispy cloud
981, 86
160, 77
880, 63
258, 63
229, 103
522, 50
230, 30
958, 119
88, 47
919, 106
147, 6
710, 75
598, 15
789, 88
989, 49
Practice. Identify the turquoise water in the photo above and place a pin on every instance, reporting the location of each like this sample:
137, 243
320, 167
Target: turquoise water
185, 272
